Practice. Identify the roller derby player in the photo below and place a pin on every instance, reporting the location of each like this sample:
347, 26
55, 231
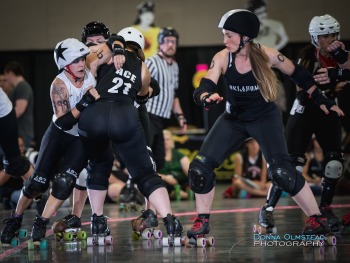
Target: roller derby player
250, 112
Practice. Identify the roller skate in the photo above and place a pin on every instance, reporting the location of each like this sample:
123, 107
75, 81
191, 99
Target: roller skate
12, 232
38, 234
317, 225
266, 222
174, 230
196, 235
100, 231
68, 229
346, 223
144, 227
333, 221
130, 198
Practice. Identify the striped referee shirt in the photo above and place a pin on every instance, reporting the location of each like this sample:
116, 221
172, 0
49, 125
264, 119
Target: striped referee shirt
167, 76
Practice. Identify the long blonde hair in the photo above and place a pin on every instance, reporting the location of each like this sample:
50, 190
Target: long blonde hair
264, 75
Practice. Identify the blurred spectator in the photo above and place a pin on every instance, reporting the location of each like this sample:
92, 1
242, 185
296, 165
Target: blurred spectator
250, 172
175, 170
22, 99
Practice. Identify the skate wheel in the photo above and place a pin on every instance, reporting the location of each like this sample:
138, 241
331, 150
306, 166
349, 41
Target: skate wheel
178, 242
90, 241
67, 236
101, 241
165, 242
135, 235
274, 230
190, 242
201, 242
331, 240
81, 235
146, 234
109, 240
58, 236
43, 244
22, 233
157, 234
30, 245
210, 241
15, 242
255, 228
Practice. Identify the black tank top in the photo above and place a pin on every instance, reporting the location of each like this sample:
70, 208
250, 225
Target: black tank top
252, 170
114, 85
243, 95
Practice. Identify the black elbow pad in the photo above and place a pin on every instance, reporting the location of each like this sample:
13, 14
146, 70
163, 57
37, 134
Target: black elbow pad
66, 121
206, 85
302, 77
155, 86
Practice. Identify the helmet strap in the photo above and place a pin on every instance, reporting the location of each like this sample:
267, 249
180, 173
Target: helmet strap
241, 44
68, 70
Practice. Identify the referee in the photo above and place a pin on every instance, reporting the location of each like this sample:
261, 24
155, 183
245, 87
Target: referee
165, 70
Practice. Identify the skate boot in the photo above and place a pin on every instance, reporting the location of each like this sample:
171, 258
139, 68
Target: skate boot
68, 228
130, 198
38, 233
174, 229
317, 225
333, 221
100, 231
144, 226
11, 232
266, 222
196, 235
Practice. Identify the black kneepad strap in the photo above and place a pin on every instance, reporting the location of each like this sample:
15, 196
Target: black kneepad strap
16, 167
201, 178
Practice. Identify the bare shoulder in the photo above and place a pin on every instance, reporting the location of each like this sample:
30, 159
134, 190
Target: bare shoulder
58, 87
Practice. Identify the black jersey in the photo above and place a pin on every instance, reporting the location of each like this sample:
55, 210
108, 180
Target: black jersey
244, 98
127, 81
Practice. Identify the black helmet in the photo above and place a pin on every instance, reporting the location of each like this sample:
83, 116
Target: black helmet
167, 32
242, 22
94, 28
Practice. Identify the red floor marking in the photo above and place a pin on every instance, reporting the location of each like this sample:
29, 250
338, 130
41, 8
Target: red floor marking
11, 251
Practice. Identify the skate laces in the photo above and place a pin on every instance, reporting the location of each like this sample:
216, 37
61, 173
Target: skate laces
312, 222
346, 217
198, 222
39, 223
11, 224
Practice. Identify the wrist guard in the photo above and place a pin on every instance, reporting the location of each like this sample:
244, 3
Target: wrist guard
180, 116
142, 99
339, 74
320, 99
112, 39
85, 101
340, 55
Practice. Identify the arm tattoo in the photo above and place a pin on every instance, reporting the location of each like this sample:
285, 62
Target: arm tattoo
280, 57
212, 64
60, 99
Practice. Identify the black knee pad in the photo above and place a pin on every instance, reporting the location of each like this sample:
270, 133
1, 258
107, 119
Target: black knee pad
16, 167
35, 185
200, 175
149, 183
284, 175
97, 181
98, 174
334, 166
62, 185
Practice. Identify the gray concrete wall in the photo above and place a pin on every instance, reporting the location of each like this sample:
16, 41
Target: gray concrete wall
40, 24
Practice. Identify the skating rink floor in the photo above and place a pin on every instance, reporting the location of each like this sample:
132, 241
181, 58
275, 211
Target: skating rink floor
231, 224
